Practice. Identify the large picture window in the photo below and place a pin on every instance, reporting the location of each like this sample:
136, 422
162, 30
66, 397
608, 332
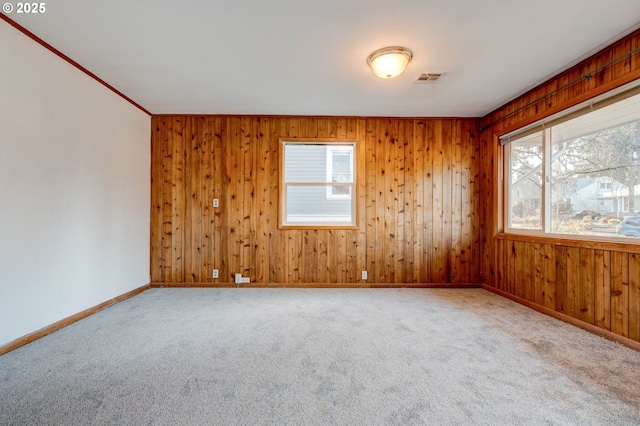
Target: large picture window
318, 184
578, 174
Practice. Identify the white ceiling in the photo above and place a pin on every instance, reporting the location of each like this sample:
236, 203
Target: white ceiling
299, 57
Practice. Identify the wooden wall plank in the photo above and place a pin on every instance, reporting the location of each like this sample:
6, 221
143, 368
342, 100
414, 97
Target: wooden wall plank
157, 192
420, 261
178, 204
539, 282
371, 195
477, 235
192, 206
456, 238
246, 197
398, 186
277, 240
447, 154
587, 286
198, 188
520, 284
167, 202
573, 281
235, 196
356, 128
263, 220
549, 276
511, 254
602, 296
216, 221
620, 293
437, 223
529, 255
469, 208
408, 206
205, 264
634, 296
387, 251
500, 265
561, 279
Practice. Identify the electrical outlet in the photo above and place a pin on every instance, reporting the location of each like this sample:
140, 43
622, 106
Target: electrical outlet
216, 202
364, 275
215, 273
238, 278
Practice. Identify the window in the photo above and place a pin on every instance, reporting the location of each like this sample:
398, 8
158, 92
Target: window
578, 174
318, 184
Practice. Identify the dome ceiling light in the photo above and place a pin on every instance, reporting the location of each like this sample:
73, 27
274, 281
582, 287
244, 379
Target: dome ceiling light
389, 62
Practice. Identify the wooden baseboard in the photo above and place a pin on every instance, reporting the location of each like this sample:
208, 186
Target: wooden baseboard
568, 319
314, 285
69, 320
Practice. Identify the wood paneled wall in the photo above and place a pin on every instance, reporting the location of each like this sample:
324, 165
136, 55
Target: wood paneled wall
418, 203
595, 283
599, 286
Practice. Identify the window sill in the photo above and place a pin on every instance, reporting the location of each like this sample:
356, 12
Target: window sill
337, 227
601, 243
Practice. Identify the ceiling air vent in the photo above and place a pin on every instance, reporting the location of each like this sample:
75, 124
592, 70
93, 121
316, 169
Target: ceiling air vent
428, 78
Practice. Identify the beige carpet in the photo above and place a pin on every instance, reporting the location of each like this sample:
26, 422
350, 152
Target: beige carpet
320, 356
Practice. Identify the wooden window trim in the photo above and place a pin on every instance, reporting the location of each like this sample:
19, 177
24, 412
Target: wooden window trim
282, 204
591, 242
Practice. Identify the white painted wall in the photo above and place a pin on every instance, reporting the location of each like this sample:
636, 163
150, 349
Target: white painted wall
74, 189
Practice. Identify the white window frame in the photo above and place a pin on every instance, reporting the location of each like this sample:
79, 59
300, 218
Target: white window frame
284, 185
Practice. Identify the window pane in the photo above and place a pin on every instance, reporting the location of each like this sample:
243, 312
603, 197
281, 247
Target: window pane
341, 166
318, 163
340, 190
526, 182
595, 177
310, 204
305, 163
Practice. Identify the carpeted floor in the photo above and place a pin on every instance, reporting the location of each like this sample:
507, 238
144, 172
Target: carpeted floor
320, 356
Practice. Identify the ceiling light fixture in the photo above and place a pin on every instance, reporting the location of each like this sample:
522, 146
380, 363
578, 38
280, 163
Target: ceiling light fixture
389, 62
